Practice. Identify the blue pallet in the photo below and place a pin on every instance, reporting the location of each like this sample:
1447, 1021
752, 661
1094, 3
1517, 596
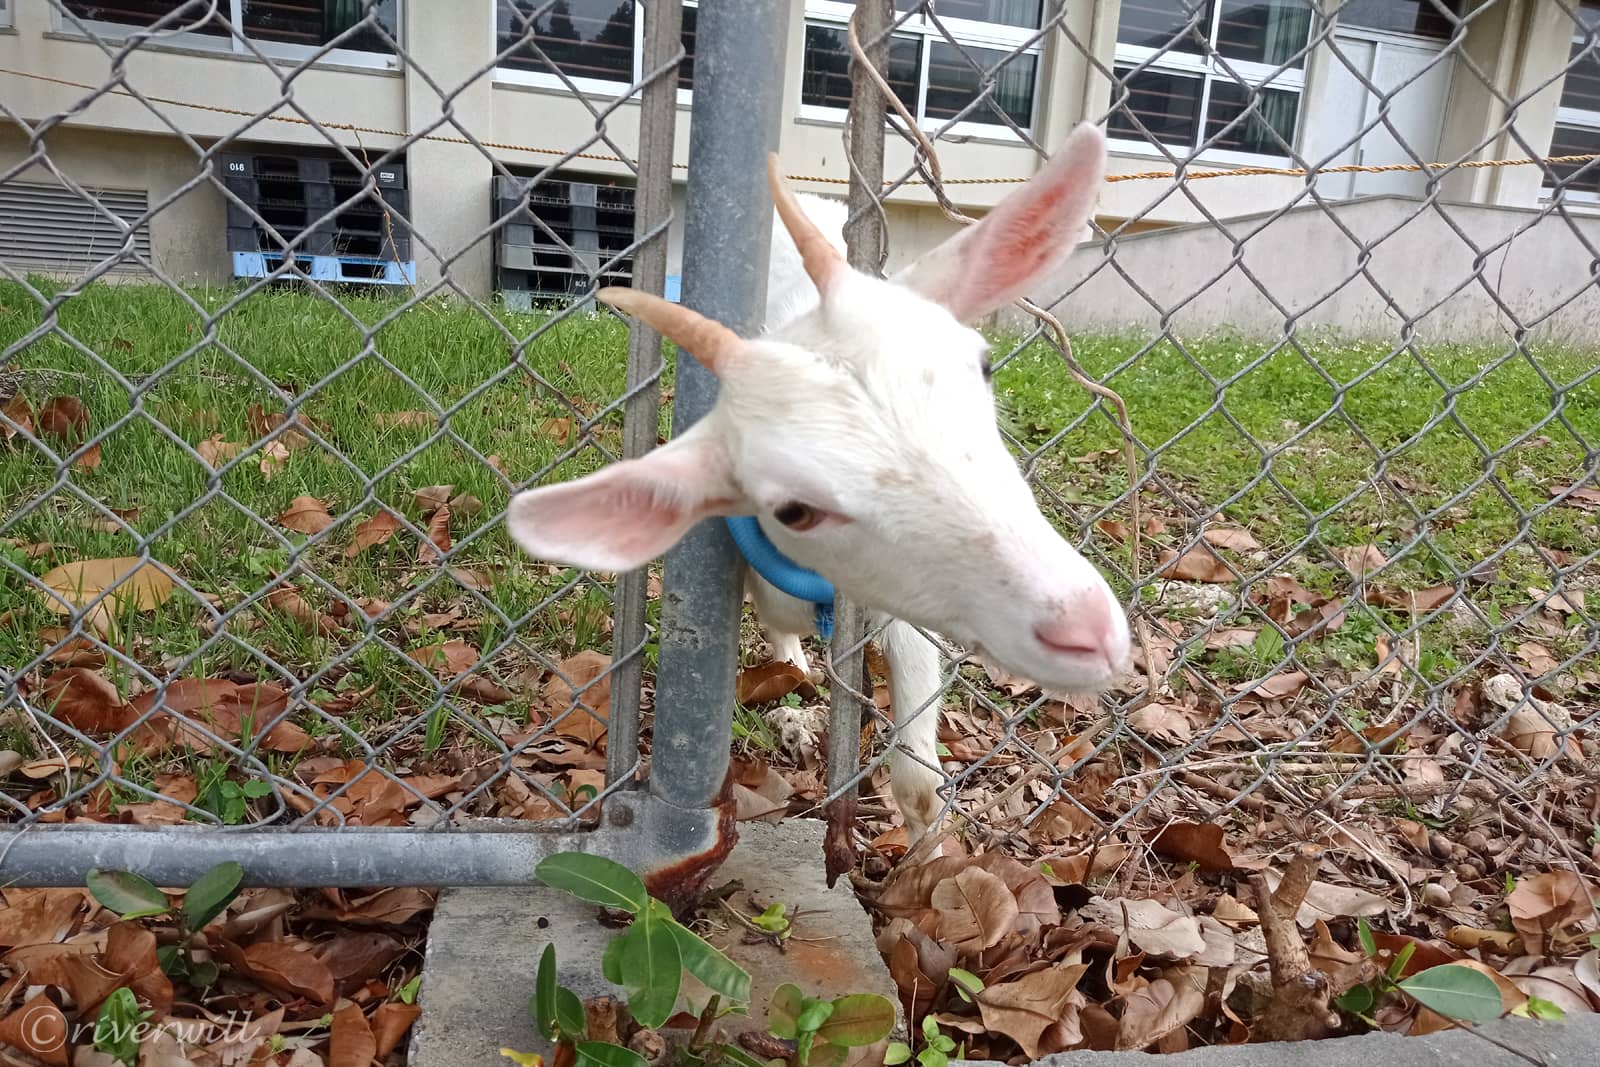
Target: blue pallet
360, 270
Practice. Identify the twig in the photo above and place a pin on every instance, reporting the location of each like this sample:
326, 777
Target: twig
1299, 1008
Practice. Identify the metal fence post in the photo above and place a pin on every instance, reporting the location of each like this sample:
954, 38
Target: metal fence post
728, 225
865, 242
663, 24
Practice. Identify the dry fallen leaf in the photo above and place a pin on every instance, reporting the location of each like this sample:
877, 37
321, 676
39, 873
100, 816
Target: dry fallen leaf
289, 966
374, 531
85, 701
1196, 565
1198, 843
307, 515
139, 586
1581, 496
1542, 905
1152, 926
975, 910
1234, 537
1172, 1001
438, 542
214, 451
403, 420
580, 682
431, 498
1024, 1009
65, 418
37, 1028
1361, 560
768, 682
389, 1024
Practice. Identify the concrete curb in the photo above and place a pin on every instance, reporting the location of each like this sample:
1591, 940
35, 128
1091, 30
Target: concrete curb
1571, 1043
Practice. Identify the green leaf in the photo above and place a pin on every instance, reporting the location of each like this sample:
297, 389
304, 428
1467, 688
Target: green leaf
857, 1020
714, 970
1511, 884
214, 891
611, 961
773, 920
1456, 992
813, 1015
605, 1054
595, 879
1397, 968
408, 992
783, 1013
932, 1057
652, 968
1369, 944
897, 1052
1539, 1008
930, 1029
204, 975
127, 894
1357, 1000
116, 1028
738, 1057
255, 789
171, 960
571, 1020
828, 1056
968, 984
543, 1002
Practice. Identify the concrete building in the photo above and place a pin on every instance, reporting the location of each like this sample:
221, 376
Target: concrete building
189, 83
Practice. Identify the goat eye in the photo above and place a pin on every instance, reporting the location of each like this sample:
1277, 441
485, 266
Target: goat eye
797, 516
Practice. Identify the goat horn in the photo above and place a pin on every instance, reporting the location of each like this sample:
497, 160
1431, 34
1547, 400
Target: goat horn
822, 260
712, 343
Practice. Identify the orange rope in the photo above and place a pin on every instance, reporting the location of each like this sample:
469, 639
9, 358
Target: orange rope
1147, 175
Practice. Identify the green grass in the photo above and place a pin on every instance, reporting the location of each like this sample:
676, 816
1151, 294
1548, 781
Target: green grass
1285, 442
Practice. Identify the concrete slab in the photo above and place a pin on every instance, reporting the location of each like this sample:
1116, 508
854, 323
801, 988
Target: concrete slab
484, 947
1571, 1043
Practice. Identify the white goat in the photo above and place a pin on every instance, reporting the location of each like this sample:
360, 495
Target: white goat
860, 431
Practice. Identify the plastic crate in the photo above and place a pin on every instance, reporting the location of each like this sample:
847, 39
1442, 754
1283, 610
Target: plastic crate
355, 270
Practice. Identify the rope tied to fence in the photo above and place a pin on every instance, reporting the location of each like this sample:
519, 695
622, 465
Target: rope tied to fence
1179, 173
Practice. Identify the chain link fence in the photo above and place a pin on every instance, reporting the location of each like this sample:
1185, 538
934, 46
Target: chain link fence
256, 575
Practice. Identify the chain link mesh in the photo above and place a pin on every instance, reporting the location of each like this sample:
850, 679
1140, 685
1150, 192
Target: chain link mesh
1363, 567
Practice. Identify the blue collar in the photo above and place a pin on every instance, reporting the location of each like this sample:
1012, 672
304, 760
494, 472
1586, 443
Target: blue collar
783, 572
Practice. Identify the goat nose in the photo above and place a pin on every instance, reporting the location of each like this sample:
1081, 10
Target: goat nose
1087, 627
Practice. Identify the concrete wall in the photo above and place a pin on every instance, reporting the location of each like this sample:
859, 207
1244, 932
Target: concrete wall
1205, 280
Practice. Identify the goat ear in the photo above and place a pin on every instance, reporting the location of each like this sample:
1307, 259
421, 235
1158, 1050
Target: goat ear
631, 512
1028, 234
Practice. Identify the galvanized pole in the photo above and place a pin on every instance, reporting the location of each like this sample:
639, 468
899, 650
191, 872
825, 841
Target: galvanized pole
738, 70
865, 242
658, 117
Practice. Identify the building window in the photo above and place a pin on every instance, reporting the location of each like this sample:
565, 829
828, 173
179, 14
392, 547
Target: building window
1577, 130
5, 13
276, 26
598, 44
986, 81
1414, 18
1222, 75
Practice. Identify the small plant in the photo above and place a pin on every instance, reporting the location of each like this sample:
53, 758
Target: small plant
116, 1028
221, 796
1456, 992
133, 897
648, 960
936, 1051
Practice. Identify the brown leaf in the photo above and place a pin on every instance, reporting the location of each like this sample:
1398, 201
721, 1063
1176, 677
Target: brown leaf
1578, 496
1540, 660
139, 586
85, 701
374, 531
1278, 686
225, 708
404, 420
355, 958
352, 1043
287, 966
581, 682
307, 515
291, 603
465, 504
1234, 537
64, 417
1360, 560
1117, 531
768, 682
1193, 842
90, 458
19, 412
975, 910
1542, 904
438, 542
214, 451
1166, 1004
37, 1028
1345, 968
1022, 1010
1196, 565
759, 792
1167, 722
1150, 925
557, 430
390, 1023
431, 498
387, 907
38, 916
448, 660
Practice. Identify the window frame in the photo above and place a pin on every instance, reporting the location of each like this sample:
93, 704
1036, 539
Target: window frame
6, 19
232, 45
602, 87
836, 14
1208, 69
1577, 118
